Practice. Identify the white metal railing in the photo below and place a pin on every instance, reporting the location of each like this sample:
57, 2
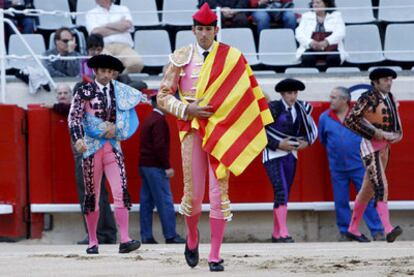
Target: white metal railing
39, 12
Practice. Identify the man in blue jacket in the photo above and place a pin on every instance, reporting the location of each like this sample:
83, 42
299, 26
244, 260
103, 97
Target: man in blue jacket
345, 164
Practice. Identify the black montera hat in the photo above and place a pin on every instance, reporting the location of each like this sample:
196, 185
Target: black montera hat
289, 85
106, 61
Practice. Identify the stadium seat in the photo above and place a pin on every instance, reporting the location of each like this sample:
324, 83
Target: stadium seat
395, 68
178, 12
397, 14
16, 47
362, 14
184, 38
399, 37
301, 4
153, 42
342, 70
277, 47
53, 22
363, 38
301, 70
149, 18
83, 6
242, 39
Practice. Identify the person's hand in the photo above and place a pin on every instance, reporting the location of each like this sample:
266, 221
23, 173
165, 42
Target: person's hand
125, 23
194, 110
302, 144
169, 172
314, 45
379, 134
227, 12
80, 146
44, 105
71, 45
286, 146
262, 2
324, 44
110, 130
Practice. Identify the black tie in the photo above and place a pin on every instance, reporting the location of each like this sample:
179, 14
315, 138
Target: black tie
108, 98
290, 117
205, 54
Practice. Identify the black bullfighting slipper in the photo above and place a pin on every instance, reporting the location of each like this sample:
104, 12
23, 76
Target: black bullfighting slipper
216, 266
129, 246
92, 250
275, 240
191, 256
360, 238
287, 239
394, 234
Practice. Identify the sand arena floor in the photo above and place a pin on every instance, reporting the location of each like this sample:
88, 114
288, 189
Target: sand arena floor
30, 258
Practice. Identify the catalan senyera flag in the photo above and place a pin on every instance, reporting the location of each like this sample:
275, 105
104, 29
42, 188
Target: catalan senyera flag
234, 135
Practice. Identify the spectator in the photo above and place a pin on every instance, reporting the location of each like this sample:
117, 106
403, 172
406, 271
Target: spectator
263, 18
155, 171
63, 97
65, 47
25, 24
114, 23
318, 31
230, 18
345, 164
95, 45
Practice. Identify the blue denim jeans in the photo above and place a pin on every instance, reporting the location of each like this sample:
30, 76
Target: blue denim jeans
263, 19
156, 192
340, 184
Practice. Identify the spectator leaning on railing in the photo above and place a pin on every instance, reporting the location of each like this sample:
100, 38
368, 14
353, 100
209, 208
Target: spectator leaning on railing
319, 31
114, 23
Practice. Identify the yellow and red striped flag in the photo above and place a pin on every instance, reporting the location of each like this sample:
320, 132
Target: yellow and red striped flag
234, 135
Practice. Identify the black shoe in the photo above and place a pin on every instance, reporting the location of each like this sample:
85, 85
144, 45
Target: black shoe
149, 241
175, 240
361, 238
129, 246
378, 237
216, 266
84, 241
191, 256
92, 250
287, 239
343, 237
394, 234
275, 240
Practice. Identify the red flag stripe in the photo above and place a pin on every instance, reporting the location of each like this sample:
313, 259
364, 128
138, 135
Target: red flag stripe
227, 86
219, 61
221, 128
253, 81
242, 142
263, 104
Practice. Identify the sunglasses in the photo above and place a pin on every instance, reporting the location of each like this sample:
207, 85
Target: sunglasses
65, 40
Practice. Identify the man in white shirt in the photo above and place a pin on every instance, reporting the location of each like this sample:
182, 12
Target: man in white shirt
114, 23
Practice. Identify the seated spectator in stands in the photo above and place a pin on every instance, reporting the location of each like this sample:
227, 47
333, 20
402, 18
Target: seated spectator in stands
114, 23
25, 24
263, 18
95, 45
229, 17
65, 46
319, 31
63, 97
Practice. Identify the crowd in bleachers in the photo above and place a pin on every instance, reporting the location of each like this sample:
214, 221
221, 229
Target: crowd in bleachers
368, 33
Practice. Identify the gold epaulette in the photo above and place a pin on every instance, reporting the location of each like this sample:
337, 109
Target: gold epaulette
182, 56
